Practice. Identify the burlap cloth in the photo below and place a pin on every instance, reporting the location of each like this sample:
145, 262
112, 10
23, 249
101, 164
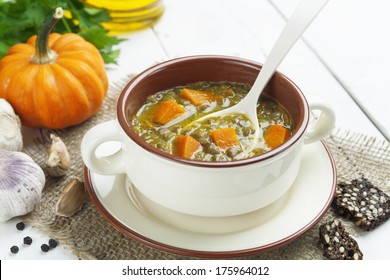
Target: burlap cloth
89, 236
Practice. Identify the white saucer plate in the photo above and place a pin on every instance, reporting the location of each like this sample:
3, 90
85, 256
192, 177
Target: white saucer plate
271, 227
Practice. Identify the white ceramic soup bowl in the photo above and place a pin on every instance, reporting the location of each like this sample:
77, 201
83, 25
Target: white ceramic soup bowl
210, 189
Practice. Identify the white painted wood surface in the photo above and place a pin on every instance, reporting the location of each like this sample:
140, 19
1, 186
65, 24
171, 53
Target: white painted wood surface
352, 40
343, 57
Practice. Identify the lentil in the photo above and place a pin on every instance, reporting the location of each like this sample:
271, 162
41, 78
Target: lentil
223, 94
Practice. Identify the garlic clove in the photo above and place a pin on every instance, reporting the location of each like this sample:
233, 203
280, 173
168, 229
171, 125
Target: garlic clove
10, 128
71, 199
21, 184
58, 159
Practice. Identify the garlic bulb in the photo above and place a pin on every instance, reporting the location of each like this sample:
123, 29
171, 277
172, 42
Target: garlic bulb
21, 184
58, 160
10, 132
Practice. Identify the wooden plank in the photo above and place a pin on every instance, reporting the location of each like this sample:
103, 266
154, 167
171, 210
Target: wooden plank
249, 29
351, 37
203, 27
139, 51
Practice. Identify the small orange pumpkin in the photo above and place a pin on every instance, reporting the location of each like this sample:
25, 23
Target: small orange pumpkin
59, 83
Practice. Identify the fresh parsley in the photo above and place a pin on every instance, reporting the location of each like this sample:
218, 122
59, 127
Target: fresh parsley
20, 19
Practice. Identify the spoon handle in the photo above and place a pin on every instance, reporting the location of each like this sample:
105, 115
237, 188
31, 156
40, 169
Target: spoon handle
303, 15
301, 18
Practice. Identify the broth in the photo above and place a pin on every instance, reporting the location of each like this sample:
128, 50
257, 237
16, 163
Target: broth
167, 121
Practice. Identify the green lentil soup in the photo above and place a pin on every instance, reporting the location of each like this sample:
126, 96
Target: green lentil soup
167, 121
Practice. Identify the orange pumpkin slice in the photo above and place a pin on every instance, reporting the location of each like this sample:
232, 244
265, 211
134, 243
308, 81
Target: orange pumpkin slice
197, 97
166, 111
186, 146
225, 137
276, 135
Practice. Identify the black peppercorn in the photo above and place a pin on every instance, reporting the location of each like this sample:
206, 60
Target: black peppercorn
27, 240
53, 243
45, 248
14, 249
20, 226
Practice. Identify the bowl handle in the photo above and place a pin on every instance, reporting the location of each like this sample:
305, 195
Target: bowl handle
93, 139
322, 124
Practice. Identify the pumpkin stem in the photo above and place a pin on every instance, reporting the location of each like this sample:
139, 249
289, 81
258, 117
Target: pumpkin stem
43, 54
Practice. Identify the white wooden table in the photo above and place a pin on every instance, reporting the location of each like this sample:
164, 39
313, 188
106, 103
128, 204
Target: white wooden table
343, 57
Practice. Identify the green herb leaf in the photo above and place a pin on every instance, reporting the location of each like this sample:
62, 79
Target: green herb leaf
20, 19
98, 36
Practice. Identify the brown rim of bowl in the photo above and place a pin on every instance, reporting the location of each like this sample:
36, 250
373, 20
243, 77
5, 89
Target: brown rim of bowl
125, 123
208, 254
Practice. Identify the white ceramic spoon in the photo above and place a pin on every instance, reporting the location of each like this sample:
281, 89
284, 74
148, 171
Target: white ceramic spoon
303, 15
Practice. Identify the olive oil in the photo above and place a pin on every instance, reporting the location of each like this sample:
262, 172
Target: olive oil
129, 15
